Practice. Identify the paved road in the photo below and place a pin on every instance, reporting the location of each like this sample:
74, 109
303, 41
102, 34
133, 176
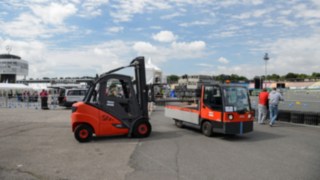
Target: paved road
39, 145
283, 152
36, 144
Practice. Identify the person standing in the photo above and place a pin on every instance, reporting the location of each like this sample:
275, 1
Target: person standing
274, 98
263, 106
44, 99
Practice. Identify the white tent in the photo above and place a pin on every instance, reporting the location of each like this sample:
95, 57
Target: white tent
10, 86
153, 73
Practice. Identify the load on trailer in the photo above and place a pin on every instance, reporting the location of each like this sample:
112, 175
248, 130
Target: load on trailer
221, 108
114, 105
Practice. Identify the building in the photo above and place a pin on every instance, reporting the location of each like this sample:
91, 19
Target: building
12, 66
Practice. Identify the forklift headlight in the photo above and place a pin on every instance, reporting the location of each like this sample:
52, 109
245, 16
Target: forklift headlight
230, 116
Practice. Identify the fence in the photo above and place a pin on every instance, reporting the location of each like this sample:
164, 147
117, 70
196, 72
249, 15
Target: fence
26, 102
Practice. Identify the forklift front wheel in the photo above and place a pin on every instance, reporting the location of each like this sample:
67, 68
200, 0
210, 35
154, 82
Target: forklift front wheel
142, 129
207, 129
83, 133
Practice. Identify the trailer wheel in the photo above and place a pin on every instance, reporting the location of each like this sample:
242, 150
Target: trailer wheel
83, 133
178, 123
207, 128
142, 129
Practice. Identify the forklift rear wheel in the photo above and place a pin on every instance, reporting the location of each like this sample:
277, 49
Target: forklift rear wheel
178, 123
142, 129
83, 133
207, 129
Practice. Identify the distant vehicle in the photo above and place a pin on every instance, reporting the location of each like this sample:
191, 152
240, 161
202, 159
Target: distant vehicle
67, 97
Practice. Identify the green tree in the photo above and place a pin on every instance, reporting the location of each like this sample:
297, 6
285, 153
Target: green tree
291, 75
172, 79
315, 75
232, 77
273, 77
303, 76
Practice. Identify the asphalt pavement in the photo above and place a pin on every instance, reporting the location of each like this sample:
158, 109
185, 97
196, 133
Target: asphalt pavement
285, 151
38, 144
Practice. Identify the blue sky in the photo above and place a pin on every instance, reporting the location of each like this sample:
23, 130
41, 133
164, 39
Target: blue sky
68, 38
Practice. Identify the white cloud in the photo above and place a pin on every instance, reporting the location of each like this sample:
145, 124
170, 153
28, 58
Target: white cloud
144, 48
316, 2
226, 34
281, 20
236, 2
177, 51
205, 65
285, 21
192, 46
25, 25
299, 55
241, 70
253, 14
302, 11
44, 20
125, 10
164, 36
92, 8
88, 60
155, 27
54, 13
171, 16
194, 23
115, 29
223, 60
28, 26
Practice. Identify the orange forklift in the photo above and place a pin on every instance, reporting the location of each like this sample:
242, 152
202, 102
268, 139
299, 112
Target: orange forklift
115, 105
221, 108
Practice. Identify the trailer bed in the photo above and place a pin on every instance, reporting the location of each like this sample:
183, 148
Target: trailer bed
182, 111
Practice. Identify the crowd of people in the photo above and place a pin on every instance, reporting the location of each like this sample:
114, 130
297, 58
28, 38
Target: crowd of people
30, 96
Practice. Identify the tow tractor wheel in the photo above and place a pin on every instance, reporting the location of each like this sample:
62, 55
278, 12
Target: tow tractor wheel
178, 123
83, 133
207, 129
142, 129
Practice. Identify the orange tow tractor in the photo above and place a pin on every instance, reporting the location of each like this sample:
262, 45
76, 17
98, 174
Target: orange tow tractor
221, 108
114, 105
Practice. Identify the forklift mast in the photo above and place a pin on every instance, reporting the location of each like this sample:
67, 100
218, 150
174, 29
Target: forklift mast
140, 82
142, 91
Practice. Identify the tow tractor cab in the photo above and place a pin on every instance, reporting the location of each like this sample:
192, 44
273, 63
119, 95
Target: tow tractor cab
221, 108
114, 105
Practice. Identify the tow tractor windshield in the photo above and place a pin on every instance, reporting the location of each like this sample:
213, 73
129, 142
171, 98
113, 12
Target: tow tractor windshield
236, 99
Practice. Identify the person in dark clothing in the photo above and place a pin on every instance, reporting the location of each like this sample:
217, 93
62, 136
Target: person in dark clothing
44, 99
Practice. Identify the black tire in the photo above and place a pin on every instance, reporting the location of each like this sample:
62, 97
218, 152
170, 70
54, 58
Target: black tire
83, 133
142, 129
207, 128
178, 123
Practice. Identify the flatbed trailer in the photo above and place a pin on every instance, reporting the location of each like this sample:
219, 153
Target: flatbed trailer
221, 108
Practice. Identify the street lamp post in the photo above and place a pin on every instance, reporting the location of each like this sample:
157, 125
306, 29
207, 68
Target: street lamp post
265, 58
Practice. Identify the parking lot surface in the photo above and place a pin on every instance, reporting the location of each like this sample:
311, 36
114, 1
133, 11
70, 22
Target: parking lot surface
38, 144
